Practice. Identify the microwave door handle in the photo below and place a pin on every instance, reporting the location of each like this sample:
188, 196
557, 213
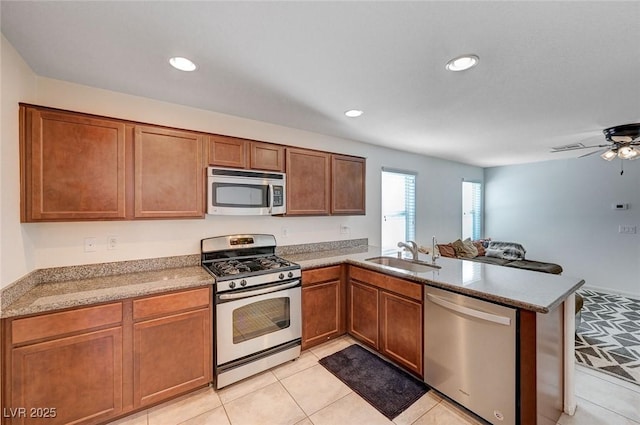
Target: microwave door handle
270, 198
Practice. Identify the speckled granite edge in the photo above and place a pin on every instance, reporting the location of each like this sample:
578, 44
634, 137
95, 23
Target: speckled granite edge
15, 290
23, 285
320, 246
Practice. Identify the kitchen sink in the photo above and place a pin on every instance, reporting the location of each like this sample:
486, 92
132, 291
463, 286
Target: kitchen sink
404, 264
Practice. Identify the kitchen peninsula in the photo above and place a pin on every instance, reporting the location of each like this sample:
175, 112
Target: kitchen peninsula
381, 305
156, 303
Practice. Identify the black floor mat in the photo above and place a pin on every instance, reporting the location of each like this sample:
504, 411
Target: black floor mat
385, 386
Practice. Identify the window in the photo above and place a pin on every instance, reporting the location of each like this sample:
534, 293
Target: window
398, 208
471, 210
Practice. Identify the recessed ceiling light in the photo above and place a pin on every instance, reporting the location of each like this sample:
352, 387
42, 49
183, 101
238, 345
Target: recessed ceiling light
462, 63
183, 64
353, 113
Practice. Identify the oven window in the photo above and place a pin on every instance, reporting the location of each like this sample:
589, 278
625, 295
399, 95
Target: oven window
261, 318
240, 195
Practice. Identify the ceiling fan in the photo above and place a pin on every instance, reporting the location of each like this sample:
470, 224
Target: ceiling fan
623, 141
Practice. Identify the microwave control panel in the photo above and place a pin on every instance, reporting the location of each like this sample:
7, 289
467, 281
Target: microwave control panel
278, 196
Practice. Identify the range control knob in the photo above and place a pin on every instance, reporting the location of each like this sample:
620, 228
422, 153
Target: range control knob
232, 285
290, 274
243, 282
281, 276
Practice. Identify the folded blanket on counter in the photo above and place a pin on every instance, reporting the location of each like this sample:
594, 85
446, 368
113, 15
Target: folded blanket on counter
506, 250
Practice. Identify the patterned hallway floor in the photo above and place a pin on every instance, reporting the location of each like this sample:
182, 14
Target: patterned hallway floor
608, 339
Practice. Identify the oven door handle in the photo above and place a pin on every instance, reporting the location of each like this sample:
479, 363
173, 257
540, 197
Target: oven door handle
237, 295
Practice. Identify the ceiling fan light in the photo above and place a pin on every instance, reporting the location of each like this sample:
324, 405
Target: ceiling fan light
628, 152
608, 155
622, 139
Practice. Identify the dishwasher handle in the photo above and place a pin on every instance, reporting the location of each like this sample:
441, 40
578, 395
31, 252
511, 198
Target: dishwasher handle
501, 320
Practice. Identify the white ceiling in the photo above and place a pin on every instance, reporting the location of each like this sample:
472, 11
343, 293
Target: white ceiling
550, 73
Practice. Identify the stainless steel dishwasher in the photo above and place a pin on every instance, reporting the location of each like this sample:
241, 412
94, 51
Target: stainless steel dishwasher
470, 353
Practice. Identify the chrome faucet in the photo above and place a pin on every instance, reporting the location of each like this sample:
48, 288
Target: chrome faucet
434, 254
411, 246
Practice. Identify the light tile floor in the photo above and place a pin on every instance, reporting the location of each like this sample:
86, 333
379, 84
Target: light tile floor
302, 392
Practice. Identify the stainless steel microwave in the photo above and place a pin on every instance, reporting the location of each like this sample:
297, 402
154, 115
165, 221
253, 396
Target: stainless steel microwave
244, 192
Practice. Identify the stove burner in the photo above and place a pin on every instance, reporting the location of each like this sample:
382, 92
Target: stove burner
248, 265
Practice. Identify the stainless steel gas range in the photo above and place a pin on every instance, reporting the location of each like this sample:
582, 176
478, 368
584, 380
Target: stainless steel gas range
257, 305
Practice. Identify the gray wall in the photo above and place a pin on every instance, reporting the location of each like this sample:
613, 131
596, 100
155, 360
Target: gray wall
561, 212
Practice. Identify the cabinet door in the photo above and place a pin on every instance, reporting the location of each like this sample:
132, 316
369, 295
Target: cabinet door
320, 313
169, 173
347, 185
172, 345
401, 330
308, 182
73, 167
79, 376
266, 156
363, 313
225, 151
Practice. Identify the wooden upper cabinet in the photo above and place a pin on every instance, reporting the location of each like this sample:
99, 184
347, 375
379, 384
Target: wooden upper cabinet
348, 185
233, 152
73, 166
308, 182
169, 173
226, 151
266, 156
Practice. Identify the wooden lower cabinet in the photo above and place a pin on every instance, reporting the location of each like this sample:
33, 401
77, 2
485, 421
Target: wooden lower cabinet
386, 313
401, 330
172, 353
64, 367
364, 313
92, 364
76, 379
323, 305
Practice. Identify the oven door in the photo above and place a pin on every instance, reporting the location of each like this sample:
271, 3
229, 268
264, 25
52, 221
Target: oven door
248, 322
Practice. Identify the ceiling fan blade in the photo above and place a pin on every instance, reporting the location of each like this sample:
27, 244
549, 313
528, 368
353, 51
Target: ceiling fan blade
576, 147
591, 153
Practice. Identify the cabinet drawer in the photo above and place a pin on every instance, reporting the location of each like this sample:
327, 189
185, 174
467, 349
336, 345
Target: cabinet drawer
322, 274
66, 322
170, 303
399, 286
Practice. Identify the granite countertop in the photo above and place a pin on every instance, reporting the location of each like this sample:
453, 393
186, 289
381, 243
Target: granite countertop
85, 285
50, 296
529, 290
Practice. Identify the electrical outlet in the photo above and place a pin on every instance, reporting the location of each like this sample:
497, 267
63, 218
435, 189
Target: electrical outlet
112, 242
344, 229
285, 232
90, 244
628, 230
